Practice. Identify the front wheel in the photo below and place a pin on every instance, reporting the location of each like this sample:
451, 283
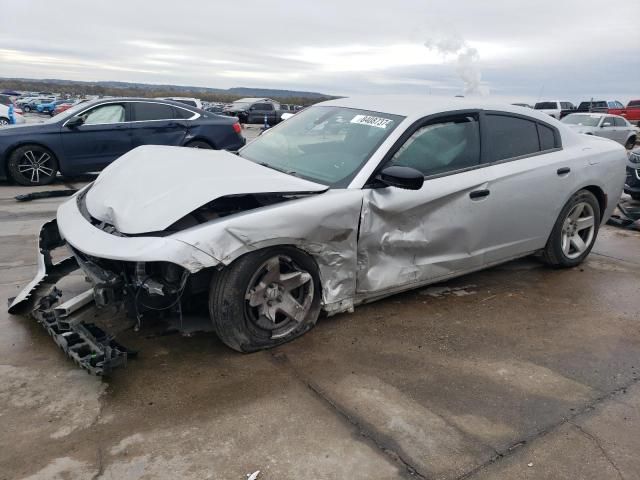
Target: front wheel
265, 298
26, 108
574, 232
4, 122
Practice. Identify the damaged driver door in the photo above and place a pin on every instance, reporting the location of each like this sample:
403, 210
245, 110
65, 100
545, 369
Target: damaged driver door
409, 237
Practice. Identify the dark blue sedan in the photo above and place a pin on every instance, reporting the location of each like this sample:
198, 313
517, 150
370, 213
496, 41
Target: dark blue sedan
91, 135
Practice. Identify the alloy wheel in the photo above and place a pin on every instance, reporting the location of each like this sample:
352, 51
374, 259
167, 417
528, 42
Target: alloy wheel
279, 296
35, 164
4, 122
578, 230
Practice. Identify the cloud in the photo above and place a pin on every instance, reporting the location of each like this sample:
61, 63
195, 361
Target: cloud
513, 49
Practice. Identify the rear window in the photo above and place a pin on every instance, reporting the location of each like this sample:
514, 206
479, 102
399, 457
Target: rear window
509, 137
183, 113
143, 111
547, 137
546, 105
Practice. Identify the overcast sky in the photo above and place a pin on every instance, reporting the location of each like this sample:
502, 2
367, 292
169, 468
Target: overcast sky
517, 50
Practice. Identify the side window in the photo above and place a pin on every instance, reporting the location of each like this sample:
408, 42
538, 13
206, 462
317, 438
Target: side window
547, 137
443, 146
182, 113
619, 122
509, 137
608, 120
110, 113
143, 111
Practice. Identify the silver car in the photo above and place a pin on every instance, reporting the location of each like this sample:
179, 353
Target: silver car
613, 127
346, 202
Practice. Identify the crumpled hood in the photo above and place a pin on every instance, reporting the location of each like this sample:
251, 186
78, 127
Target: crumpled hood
151, 187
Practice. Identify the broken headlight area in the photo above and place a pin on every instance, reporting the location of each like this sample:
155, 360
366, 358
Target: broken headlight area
230, 205
140, 287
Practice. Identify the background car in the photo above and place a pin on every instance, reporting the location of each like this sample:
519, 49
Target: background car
599, 106
32, 105
89, 136
631, 112
61, 107
632, 183
256, 110
613, 127
555, 108
192, 102
49, 107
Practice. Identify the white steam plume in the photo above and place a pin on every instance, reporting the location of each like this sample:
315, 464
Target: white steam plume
467, 59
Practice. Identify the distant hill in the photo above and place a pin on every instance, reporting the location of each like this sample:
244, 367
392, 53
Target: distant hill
151, 90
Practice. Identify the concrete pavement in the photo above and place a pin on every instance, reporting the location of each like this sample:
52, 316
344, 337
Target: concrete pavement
476, 378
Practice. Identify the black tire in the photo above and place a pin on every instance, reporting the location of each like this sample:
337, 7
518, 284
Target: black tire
240, 325
630, 143
32, 165
4, 121
26, 108
553, 253
199, 144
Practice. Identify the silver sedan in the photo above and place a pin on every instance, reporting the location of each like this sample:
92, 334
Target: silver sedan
613, 127
346, 202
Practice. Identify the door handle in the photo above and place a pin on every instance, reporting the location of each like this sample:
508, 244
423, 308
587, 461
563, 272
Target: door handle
563, 171
479, 194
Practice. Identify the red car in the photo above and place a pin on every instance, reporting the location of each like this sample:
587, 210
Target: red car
631, 112
61, 107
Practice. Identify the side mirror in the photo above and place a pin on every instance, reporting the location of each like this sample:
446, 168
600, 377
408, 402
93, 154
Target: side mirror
401, 177
75, 122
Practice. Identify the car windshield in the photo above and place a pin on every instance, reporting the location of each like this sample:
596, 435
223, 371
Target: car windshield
327, 145
584, 120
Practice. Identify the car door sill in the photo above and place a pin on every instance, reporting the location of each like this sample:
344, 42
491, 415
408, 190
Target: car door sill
367, 297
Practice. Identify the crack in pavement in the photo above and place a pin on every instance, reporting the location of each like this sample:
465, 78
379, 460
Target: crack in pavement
542, 433
282, 360
596, 442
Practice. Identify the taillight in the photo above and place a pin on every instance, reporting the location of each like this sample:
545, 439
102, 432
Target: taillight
237, 128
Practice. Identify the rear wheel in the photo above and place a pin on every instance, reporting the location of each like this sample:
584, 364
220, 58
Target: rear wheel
4, 121
265, 298
32, 165
574, 232
199, 144
26, 108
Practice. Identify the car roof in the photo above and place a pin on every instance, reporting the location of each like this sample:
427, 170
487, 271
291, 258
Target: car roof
422, 106
252, 100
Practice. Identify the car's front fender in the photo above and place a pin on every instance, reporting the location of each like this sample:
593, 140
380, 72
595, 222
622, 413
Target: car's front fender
325, 226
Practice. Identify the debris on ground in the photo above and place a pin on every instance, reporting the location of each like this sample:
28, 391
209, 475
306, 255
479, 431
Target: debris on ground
27, 197
438, 292
626, 216
253, 475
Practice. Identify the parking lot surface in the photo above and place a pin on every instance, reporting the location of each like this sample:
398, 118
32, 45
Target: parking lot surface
515, 372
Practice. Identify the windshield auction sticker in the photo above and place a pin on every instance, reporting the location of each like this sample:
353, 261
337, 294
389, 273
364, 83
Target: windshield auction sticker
372, 121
